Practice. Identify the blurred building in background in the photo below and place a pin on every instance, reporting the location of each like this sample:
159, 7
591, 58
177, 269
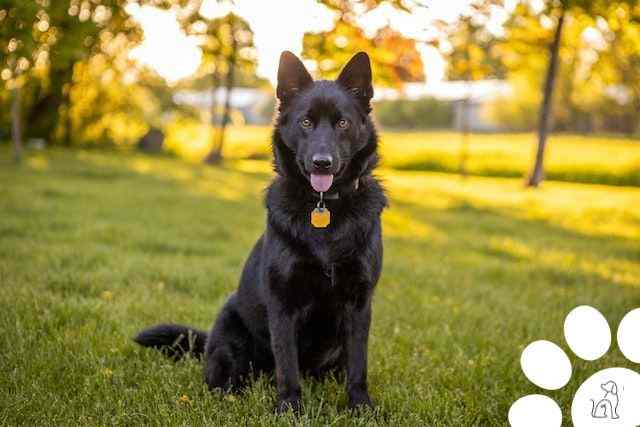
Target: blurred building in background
249, 105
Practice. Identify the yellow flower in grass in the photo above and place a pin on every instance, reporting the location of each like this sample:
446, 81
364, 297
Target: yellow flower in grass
184, 400
106, 295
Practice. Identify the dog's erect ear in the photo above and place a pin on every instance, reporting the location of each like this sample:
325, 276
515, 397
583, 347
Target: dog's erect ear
356, 77
292, 77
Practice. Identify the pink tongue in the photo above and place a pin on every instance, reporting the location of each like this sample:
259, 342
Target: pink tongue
321, 183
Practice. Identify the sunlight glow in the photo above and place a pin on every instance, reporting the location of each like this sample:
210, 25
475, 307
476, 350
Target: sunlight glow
166, 48
280, 25
277, 25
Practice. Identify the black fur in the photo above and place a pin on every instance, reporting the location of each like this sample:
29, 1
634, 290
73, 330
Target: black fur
304, 301
174, 340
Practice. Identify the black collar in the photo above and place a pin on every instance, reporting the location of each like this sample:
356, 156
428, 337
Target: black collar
335, 195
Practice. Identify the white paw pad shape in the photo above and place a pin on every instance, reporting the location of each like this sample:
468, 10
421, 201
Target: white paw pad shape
610, 397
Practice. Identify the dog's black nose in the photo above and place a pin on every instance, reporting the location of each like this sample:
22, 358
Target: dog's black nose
322, 161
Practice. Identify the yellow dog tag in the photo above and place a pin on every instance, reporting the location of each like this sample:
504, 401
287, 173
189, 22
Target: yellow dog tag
320, 217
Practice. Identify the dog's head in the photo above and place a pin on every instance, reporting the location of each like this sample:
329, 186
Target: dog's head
325, 125
610, 387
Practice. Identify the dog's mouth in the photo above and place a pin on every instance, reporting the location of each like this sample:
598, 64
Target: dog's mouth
321, 182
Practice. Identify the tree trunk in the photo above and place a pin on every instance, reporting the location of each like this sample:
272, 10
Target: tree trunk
226, 115
466, 106
67, 136
466, 130
537, 174
44, 116
215, 84
464, 142
16, 123
216, 153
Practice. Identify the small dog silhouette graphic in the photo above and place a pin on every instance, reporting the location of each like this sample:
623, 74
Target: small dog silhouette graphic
607, 407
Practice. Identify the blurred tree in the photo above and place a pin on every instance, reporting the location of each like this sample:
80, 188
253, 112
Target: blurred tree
524, 53
53, 38
470, 51
557, 11
588, 90
114, 102
517, 111
394, 58
536, 175
18, 21
228, 53
211, 44
618, 64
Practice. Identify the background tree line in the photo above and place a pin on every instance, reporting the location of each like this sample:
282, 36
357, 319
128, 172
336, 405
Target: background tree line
573, 65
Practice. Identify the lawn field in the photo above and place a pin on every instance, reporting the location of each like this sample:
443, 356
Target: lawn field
96, 245
569, 158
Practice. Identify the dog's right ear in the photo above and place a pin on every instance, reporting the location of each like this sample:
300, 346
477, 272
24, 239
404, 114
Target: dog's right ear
292, 77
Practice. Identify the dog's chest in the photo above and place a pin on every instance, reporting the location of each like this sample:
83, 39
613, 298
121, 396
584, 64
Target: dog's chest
328, 251
332, 245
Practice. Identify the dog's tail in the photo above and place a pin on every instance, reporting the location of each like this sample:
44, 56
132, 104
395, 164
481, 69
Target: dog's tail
175, 341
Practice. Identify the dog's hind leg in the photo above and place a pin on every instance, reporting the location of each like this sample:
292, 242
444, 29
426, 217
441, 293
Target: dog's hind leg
229, 351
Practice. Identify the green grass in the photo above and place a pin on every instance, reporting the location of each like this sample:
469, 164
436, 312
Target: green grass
570, 158
95, 246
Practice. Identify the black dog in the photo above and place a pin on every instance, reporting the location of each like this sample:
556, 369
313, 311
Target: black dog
304, 300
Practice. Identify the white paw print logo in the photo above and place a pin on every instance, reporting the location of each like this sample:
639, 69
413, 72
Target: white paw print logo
610, 397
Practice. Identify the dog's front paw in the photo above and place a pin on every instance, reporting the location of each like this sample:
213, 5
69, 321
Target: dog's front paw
360, 400
288, 404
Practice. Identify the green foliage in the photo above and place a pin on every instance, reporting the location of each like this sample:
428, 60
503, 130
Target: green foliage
106, 109
520, 110
618, 66
394, 58
97, 245
467, 44
20, 25
52, 37
425, 113
217, 43
597, 86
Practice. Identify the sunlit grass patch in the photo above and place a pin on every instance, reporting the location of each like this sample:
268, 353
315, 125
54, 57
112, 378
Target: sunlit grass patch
606, 160
192, 141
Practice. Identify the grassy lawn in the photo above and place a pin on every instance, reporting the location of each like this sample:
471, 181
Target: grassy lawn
570, 158
95, 246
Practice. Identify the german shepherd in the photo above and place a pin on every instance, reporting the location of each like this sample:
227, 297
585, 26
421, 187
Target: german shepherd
304, 301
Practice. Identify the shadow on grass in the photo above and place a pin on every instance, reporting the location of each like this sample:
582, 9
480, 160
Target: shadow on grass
498, 248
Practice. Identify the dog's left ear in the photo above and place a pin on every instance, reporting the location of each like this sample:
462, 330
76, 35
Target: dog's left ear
293, 77
356, 78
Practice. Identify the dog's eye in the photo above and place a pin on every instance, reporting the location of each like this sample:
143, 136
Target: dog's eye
343, 124
306, 123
